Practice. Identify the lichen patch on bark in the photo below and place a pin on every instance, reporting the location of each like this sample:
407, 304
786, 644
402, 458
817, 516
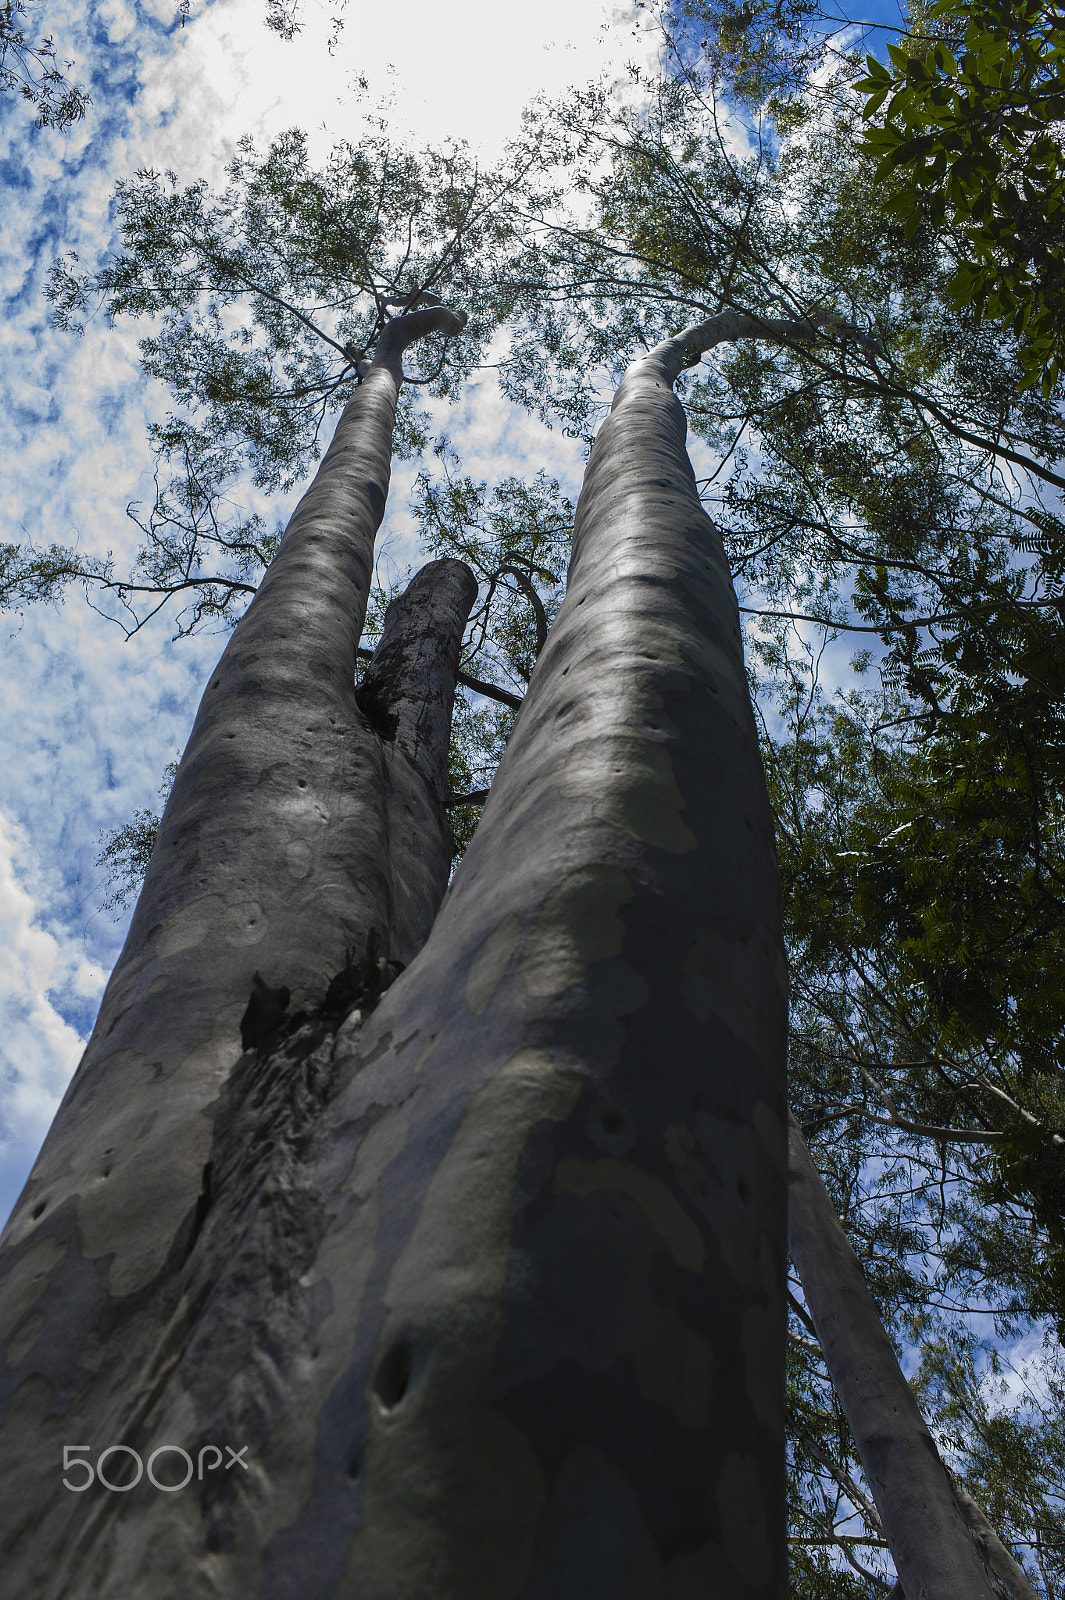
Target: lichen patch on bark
577, 925
490, 962
630, 783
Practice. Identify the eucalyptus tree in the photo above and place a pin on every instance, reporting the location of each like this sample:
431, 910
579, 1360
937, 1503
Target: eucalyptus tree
900, 490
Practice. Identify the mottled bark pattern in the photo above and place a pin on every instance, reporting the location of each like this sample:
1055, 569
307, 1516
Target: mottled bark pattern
275, 856
933, 1552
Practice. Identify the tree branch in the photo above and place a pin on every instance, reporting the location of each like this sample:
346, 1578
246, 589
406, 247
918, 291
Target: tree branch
491, 691
842, 1477
924, 1129
687, 348
476, 797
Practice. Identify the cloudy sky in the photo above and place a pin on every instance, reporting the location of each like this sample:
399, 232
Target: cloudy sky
90, 721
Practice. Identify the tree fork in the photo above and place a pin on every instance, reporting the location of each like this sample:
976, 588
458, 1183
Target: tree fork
552, 1164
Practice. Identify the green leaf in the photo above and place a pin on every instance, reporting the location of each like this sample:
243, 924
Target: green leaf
878, 73
875, 101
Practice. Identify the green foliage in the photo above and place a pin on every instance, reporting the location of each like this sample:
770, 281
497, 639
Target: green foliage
265, 298
197, 552
29, 575
755, 48
479, 734
973, 139
923, 899
126, 851
516, 539
263, 302
894, 1085
30, 67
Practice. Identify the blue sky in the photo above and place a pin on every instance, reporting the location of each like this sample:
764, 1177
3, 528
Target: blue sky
90, 721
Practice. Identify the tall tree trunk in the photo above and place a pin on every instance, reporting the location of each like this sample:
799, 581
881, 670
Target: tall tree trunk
486, 1285
928, 1535
283, 852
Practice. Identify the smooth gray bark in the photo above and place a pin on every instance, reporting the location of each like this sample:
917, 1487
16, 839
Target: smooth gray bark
934, 1555
488, 1283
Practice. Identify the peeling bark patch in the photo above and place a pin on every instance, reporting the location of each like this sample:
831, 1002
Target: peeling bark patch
298, 855
636, 790
489, 963
27, 1280
189, 926
133, 1210
666, 1215
715, 982
577, 925
245, 924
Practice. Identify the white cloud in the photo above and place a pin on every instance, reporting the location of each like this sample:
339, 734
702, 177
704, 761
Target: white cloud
39, 1048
